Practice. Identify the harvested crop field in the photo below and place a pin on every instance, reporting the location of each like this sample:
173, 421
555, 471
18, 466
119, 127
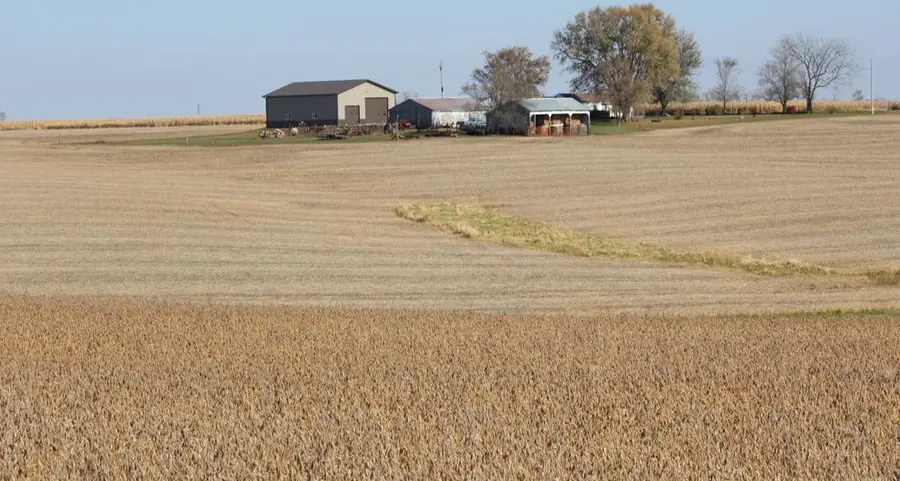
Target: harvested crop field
314, 224
132, 389
592, 308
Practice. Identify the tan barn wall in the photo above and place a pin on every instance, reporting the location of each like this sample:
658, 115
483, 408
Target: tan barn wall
358, 95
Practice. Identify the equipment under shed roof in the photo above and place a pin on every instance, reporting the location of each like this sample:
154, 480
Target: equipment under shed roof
541, 116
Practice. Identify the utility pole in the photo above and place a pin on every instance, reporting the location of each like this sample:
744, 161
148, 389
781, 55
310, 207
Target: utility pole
442, 78
198, 110
872, 84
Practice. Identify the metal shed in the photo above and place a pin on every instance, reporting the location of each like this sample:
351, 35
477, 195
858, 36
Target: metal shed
331, 102
425, 113
541, 116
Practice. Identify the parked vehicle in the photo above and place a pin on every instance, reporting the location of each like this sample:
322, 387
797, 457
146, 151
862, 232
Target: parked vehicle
473, 127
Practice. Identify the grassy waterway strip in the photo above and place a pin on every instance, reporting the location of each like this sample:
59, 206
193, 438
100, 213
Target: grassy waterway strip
492, 226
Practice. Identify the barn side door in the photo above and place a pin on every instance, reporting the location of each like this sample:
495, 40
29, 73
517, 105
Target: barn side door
351, 114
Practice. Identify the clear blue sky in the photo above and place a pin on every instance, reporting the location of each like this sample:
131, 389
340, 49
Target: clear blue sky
114, 58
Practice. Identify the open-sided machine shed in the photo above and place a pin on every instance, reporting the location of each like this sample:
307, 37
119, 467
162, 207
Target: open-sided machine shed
540, 116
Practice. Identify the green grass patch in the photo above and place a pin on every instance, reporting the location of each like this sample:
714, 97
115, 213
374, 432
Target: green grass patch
492, 226
250, 137
846, 313
657, 123
885, 277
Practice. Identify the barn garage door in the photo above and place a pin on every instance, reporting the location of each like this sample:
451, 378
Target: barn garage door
351, 114
376, 110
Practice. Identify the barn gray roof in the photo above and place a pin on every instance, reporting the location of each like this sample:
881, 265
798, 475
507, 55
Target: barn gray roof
447, 104
549, 104
594, 98
322, 87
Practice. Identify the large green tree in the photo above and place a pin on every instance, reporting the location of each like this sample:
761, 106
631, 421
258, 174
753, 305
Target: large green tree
681, 88
622, 52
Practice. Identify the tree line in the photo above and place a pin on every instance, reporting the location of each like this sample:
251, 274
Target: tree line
637, 54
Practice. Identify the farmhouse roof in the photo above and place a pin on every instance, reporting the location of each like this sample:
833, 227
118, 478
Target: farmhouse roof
447, 104
588, 98
551, 104
321, 87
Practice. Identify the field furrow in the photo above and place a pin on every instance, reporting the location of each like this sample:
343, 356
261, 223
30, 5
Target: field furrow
313, 223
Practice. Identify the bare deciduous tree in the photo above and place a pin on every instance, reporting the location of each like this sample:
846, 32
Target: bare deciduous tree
779, 77
822, 62
406, 95
727, 86
682, 87
858, 95
621, 52
509, 74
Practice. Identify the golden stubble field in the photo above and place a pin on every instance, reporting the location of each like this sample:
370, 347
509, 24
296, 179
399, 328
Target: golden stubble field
184, 313
313, 224
131, 389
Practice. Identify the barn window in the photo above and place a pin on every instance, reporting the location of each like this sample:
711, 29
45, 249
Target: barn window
289, 116
315, 115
